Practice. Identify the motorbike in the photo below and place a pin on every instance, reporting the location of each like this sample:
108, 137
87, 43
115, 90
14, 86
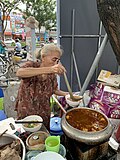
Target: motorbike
22, 53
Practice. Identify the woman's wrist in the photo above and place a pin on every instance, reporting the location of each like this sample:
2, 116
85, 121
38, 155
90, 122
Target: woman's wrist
48, 70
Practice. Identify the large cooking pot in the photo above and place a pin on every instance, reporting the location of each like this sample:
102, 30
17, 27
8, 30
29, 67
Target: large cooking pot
86, 125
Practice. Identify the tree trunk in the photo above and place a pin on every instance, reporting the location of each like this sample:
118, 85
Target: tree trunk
109, 12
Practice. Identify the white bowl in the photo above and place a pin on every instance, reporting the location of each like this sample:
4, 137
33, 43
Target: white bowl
48, 155
33, 118
70, 102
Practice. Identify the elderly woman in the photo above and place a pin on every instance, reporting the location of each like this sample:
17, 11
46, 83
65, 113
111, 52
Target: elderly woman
38, 83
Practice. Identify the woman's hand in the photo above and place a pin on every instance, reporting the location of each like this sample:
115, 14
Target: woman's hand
58, 69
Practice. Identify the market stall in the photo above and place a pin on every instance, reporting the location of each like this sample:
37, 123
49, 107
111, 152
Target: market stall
88, 144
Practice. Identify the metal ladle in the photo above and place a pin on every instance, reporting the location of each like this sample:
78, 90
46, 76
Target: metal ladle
74, 98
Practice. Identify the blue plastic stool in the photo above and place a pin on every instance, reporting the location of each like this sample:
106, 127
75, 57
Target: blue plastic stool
2, 115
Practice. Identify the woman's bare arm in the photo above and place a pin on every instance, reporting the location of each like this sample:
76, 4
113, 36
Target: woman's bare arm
60, 93
30, 71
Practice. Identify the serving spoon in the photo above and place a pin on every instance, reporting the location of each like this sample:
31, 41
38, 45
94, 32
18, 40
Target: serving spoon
74, 98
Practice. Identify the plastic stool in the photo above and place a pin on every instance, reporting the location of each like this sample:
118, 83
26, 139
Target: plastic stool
2, 115
1, 93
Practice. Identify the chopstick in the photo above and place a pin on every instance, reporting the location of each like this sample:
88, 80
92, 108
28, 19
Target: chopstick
28, 121
59, 104
3, 132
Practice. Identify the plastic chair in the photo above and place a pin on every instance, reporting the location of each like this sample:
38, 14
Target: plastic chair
2, 115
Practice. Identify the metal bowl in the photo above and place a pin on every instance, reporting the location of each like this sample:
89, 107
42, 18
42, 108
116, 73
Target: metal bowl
8, 139
90, 138
36, 141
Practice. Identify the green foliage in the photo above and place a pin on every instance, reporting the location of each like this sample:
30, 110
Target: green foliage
6, 7
37, 44
23, 43
12, 44
43, 11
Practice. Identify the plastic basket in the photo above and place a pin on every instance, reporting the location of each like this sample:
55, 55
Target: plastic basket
16, 58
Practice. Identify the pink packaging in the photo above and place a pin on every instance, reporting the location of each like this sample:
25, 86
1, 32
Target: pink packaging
105, 99
98, 105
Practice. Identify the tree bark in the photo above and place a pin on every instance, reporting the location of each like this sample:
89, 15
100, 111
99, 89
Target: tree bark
109, 12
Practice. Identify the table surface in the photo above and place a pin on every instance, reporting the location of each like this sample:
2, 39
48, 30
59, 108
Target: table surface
112, 155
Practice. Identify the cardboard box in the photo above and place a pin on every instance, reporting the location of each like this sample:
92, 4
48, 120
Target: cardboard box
109, 79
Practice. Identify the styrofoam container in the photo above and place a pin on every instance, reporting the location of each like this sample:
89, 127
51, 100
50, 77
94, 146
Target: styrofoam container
33, 118
9, 124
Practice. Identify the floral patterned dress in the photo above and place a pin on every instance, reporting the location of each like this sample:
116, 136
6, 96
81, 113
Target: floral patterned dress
34, 95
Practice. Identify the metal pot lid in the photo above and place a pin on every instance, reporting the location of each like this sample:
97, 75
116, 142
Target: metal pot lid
55, 124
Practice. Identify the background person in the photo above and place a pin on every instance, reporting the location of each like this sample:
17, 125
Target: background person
2, 46
38, 83
51, 40
18, 46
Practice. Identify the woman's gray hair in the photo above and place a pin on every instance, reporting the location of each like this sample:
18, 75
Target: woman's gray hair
38, 54
48, 48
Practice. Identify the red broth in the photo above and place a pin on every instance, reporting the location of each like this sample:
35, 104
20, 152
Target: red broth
86, 120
